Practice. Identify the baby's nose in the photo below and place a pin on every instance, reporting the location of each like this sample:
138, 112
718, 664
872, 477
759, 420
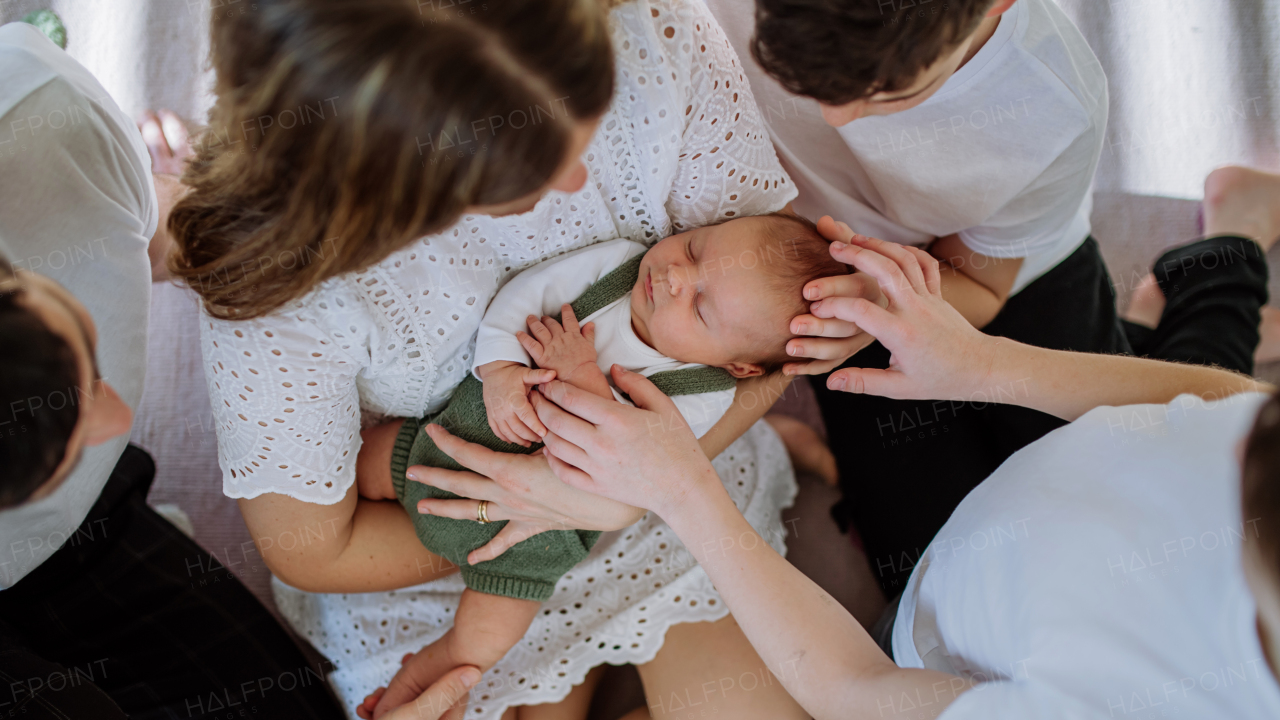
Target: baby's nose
676, 279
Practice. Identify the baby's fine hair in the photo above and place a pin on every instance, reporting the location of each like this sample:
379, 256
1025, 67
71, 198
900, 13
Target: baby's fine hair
795, 256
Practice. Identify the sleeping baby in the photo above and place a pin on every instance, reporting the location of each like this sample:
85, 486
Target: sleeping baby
694, 313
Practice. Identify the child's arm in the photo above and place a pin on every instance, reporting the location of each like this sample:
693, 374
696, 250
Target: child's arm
567, 349
977, 285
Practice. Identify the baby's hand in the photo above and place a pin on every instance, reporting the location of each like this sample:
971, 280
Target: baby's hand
565, 348
506, 400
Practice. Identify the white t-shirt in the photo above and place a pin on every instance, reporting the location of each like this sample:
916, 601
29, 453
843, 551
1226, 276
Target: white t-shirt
77, 205
1003, 154
1097, 573
544, 288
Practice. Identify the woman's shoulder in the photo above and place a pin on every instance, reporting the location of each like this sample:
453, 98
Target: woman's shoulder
661, 38
330, 315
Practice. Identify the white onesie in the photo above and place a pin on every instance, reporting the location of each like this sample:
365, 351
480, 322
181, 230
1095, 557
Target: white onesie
544, 288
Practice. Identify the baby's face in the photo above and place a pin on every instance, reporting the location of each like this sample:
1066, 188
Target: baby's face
706, 296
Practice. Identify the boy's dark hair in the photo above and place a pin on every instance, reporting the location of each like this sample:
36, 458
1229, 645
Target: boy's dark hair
839, 51
1260, 483
796, 256
39, 401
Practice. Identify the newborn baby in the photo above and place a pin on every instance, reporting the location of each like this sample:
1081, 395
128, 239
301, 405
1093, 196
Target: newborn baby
694, 313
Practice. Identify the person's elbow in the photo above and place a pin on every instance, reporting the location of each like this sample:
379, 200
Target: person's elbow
987, 308
299, 542
301, 570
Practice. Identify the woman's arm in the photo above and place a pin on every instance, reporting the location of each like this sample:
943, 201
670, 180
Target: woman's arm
356, 545
809, 641
939, 356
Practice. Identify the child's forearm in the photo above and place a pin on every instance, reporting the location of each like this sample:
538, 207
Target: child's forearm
977, 285
751, 400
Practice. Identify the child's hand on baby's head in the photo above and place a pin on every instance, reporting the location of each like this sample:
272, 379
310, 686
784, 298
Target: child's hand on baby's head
560, 346
506, 400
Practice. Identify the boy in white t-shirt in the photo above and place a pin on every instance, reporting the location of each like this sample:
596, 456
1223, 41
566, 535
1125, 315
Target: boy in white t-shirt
972, 128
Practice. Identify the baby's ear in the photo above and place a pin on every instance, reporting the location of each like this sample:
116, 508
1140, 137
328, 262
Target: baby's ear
742, 370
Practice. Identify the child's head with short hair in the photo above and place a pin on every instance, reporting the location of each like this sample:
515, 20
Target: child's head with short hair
882, 56
724, 295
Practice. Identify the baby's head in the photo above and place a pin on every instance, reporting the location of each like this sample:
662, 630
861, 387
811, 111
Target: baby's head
724, 295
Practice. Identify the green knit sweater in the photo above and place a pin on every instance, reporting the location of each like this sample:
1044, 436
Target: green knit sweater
529, 570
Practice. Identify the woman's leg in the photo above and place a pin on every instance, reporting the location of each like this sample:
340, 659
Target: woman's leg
709, 669
573, 707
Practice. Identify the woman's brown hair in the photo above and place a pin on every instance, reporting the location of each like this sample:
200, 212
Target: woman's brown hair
345, 129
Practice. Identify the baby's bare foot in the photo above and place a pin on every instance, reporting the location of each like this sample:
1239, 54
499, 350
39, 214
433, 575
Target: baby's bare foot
809, 453
1146, 305
1243, 201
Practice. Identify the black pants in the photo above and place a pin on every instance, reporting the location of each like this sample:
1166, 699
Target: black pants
131, 619
905, 465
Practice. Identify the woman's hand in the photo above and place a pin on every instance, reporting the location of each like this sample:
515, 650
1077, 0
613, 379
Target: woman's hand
444, 700
523, 489
935, 353
833, 340
644, 455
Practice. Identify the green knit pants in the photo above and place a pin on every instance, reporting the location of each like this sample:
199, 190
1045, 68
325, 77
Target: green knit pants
529, 570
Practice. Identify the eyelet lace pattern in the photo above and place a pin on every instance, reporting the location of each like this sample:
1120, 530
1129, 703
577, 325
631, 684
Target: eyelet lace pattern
682, 145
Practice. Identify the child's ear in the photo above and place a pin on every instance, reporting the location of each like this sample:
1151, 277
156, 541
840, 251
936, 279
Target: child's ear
742, 370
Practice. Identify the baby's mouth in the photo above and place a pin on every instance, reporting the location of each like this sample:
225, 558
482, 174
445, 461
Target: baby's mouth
648, 286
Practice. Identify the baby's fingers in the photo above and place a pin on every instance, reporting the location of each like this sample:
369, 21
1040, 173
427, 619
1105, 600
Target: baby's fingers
530, 421
552, 325
526, 434
589, 332
536, 376
568, 318
516, 430
531, 346
538, 330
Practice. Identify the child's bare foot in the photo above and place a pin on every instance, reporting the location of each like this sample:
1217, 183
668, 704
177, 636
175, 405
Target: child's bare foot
1269, 346
1146, 305
484, 628
167, 141
809, 452
1243, 201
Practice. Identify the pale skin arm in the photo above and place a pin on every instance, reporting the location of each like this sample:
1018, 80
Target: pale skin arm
817, 650
936, 355
355, 545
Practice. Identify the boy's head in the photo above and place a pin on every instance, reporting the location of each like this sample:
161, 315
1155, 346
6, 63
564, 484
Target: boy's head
53, 403
867, 57
724, 295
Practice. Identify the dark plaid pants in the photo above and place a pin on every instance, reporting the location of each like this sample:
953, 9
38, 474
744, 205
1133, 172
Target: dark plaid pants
128, 619
905, 465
